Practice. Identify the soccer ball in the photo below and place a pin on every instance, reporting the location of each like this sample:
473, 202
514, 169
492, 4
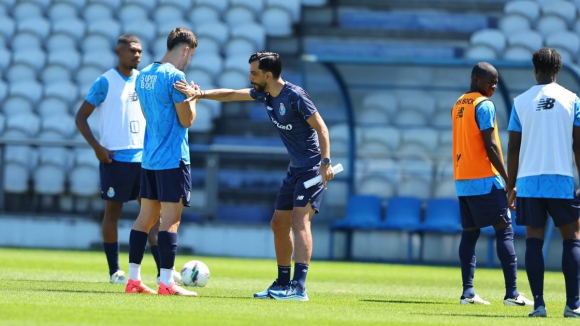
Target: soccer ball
195, 273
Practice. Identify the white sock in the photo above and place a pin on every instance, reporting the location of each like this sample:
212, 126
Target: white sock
134, 272
166, 276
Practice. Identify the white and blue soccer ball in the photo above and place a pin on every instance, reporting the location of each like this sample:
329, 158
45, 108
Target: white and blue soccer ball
195, 273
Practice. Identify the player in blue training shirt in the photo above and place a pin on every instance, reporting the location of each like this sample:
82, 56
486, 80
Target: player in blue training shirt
165, 174
544, 143
120, 147
305, 136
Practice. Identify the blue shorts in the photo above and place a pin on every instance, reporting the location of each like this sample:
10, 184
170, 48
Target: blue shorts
534, 212
120, 181
171, 185
484, 210
292, 192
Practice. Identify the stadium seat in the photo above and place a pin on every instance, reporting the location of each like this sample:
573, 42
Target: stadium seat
277, 21
200, 77
113, 4
102, 59
441, 119
66, 58
340, 137
481, 52
80, 4
34, 58
150, 6
445, 188
233, 79
203, 15
376, 185
212, 64
416, 100
164, 27
7, 27
493, 38
60, 157
96, 42
183, 5
217, 31
527, 8
15, 105
388, 168
566, 40
517, 53
372, 116
410, 118
414, 186
314, 3
49, 180
87, 75
109, 28
132, 12
3, 90
26, 41
379, 141
2, 123
65, 90
548, 24
145, 30
219, 5
61, 10
203, 119
442, 215
52, 106
16, 178
564, 9
527, 38
55, 73
292, 6
27, 9
252, 32
72, 26
513, 23
35, 25
30, 90
5, 58
257, 6
164, 13
23, 125
402, 213
384, 101
19, 71
237, 15
60, 41
95, 12
60, 126
418, 140
418, 164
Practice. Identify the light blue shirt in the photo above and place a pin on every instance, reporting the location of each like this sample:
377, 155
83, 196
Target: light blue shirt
166, 140
544, 185
485, 118
97, 95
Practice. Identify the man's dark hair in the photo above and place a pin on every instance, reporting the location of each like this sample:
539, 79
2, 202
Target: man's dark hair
547, 60
181, 35
482, 70
127, 39
268, 62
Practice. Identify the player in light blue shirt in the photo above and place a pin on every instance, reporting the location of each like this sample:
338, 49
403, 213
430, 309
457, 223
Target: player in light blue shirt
165, 176
544, 144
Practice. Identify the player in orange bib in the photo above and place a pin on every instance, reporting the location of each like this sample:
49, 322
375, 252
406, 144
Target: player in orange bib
480, 178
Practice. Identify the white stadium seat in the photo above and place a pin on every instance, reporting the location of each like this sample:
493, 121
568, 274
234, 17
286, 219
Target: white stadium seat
25, 41
381, 100
16, 178
60, 41
565, 9
113, 4
204, 118
145, 30
35, 58
58, 156
493, 38
217, 31
132, 13
481, 52
52, 106
416, 100
257, 6
526, 38
84, 181
49, 180
16, 105
27, 9
219, 5
27, 124
149, 5
424, 138
96, 42
517, 53
414, 186
19, 72
527, 8
292, 6
549, 24
277, 21
233, 79
566, 40
97, 12
514, 23
87, 75
35, 25
371, 115
65, 58
62, 10
410, 118
30, 90
375, 185
445, 189
64, 89
7, 27
109, 28
23, 155
200, 15
381, 140
103, 59
253, 32
167, 13
72, 26
238, 15
211, 63
183, 5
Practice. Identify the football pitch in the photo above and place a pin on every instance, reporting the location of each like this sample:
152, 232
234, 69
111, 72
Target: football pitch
50, 287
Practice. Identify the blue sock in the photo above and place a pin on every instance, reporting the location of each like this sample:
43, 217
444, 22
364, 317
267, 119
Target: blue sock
112, 252
155, 252
507, 256
535, 269
300, 271
137, 243
467, 259
284, 275
167, 242
571, 271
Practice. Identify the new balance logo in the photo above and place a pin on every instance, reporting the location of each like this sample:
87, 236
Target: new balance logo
299, 197
460, 113
269, 108
546, 104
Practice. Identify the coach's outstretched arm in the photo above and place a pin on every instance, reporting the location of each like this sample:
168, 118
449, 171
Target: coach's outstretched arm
220, 94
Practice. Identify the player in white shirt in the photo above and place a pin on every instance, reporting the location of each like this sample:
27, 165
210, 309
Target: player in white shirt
544, 143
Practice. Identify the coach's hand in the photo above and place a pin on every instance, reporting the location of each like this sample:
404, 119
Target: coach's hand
188, 90
326, 173
512, 198
103, 154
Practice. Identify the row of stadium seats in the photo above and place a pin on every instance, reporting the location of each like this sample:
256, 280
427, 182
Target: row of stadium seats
528, 25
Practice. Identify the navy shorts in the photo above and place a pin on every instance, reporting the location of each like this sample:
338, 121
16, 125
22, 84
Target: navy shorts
171, 185
534, 212
484, 210
292, 192
120, 181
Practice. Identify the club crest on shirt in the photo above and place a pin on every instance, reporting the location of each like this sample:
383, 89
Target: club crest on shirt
111, 192
282, 109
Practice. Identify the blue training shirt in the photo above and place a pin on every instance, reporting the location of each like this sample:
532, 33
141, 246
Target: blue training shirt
97, 95
485, 118
288, 112
544, 185
166, 140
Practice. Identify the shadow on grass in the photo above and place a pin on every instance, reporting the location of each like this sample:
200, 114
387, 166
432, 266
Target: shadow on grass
405, 301
467, 314
80, 291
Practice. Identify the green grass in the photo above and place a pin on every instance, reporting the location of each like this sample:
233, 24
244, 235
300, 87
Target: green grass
45, 287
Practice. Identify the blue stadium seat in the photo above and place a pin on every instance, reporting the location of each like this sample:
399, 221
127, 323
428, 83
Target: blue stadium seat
442, 216
363, 212
403, 214
244, 213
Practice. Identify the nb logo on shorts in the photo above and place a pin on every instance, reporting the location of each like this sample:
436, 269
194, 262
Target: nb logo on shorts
111, 192
188, 195
546, 104
299, 197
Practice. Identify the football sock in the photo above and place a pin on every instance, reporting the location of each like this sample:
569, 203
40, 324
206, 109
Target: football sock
167, 242
112, 253
166, 276
300, 271
571, 269
137, 243
535, 269
467, 259
134, 272
155, 252
284, 275
509, 263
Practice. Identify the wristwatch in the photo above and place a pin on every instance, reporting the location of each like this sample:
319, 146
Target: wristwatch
325, 160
